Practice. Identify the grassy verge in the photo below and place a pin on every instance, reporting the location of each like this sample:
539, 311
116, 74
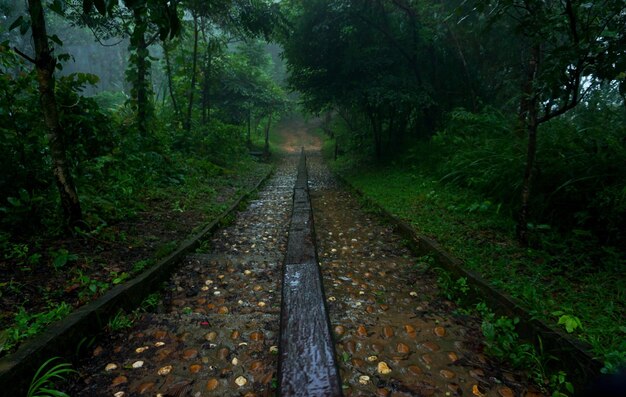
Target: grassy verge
45, 277
559, 283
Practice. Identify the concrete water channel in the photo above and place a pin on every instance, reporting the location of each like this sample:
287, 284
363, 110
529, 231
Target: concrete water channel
217, 331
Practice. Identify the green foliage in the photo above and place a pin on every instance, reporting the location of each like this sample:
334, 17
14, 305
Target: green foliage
61, 258
120, 321
568, 321
501, 340
28, 324
567, 272
43, 383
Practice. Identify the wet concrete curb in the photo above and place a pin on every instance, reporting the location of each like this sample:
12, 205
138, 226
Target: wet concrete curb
307, 365
570, 355
64, 338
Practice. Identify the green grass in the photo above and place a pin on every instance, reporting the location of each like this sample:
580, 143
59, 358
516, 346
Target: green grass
562, 279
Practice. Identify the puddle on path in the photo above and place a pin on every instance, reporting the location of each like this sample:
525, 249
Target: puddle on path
394, 335
216, 332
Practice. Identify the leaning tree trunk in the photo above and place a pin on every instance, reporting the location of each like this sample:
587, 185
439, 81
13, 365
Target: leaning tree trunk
529, 106
168, 70
45, 64
192, 88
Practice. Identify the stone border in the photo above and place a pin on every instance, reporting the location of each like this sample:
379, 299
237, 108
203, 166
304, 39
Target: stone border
64, 337
307, 365
571, 355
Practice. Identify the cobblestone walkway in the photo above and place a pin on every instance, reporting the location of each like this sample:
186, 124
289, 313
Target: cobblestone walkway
395, 336
216, 332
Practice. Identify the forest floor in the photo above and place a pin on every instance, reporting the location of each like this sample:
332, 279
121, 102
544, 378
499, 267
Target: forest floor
215, 331
45, 278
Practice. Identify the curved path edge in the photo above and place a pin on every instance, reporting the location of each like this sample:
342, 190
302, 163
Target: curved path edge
64, 337
571, 355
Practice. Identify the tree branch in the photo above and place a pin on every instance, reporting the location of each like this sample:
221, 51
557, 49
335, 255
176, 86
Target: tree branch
20, 53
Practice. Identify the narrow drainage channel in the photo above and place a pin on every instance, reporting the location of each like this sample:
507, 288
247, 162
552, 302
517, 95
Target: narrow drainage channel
307, 364
215, 332
395, 335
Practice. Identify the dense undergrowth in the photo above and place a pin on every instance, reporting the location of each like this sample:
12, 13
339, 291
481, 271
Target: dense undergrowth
462, 188
140, 195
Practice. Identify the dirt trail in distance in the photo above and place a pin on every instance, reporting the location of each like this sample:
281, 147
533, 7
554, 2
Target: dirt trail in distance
296, 133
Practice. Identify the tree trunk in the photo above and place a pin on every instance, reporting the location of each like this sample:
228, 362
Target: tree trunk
206, 87
168, 70
139, 42
45, 64
266, 149
194, 62
249, 127
531, 122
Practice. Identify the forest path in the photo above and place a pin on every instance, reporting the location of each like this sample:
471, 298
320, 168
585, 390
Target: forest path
216, 331
394, 333
297, 133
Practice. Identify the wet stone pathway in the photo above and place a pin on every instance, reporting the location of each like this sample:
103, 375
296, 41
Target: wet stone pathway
394, 335
216, 332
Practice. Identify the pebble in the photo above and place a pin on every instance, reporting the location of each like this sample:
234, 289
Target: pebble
137, 364
505, 392
261, 304
110, 367
97, 351
415, 370
212, 384
189, 354
144, 387
340, 330
223, 310
256, 336
256, 366
119, 380
195, 368
387, 331
223, 353
371, 359
361, 331
477, 373
382, 392
165, 370
141, 349
274, 349
446, 373
234, 335
350, 346
119, 394
432, 346
383, 368
159, 344
410, 331
477, 392
247, 272
241, 381
211, 336
452, 356
402, 348
440, 331
234, 361
364, 379
331, 299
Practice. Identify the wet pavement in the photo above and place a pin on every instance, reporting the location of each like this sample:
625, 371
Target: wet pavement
395, 336
216, 332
